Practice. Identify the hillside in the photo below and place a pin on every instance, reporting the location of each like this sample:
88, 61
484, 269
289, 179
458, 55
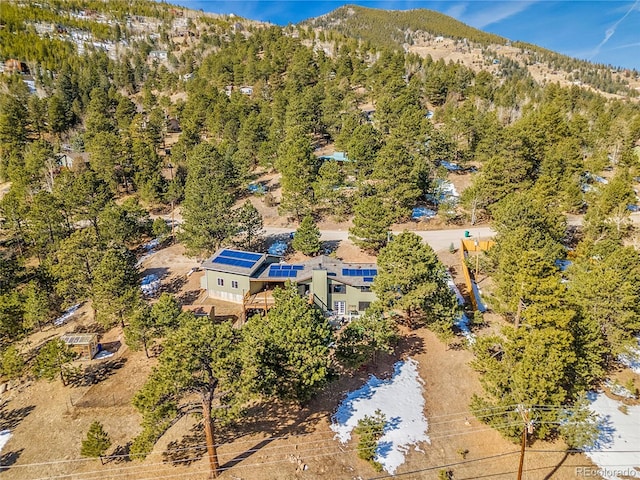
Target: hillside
156, 161
432, 33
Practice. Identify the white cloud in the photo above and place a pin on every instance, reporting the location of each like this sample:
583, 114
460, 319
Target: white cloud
609, 32
457, 10
496, 12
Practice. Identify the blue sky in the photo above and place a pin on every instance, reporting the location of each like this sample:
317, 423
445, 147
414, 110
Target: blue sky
601, 31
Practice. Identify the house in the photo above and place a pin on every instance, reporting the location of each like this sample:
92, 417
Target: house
158, 54
246, 90
15, 66
85, 345
173, 126
336, 157
338, 288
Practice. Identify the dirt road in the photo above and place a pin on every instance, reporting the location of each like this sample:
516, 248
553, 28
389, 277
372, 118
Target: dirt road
437, 239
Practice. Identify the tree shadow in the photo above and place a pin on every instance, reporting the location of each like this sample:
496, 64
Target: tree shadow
557, 467
159, 272
8, 459
188, 297
279, 420
175, 285
188, 449
330, 246
120, 454
97, 373
10, 419
91, 328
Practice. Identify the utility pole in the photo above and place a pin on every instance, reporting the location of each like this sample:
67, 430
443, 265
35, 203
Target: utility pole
526, 429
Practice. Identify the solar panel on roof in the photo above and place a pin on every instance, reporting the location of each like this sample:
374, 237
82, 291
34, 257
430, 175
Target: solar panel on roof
275, 267
254, 257
282, 273
368, 279
234, 262
286, 267
298, 267
345, 272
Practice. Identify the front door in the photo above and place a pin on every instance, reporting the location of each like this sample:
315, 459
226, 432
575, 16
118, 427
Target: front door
340, 307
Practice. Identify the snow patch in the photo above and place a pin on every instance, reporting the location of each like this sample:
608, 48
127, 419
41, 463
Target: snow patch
401, 401
476, 293
422, 213
103, 354
278, 248
5, 435
463, 321
615, 451
631, 359
463, 325
454, 288
150, 285
68, 313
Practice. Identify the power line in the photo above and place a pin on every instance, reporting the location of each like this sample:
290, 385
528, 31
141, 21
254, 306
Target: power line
502, 411
270, 449
114, 472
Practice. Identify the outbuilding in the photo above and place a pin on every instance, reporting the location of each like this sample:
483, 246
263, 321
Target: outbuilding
84, 344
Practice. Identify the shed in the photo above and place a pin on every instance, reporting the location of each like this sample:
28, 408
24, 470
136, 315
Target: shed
84, 344
208, 311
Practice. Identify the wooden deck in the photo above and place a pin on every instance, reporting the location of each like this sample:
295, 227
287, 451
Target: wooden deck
259, 301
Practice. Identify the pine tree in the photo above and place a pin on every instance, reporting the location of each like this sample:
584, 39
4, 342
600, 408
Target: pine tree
97, 441
52, 360
412, 279
307, 237
364, 338
115, 287
371, 224
249, 223
369, 430
11, 363
286, 352
199, 361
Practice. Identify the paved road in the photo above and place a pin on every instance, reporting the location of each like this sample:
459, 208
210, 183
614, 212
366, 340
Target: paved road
438, 239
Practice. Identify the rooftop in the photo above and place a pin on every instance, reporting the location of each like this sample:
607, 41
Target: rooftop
255, 266
79, 338
354, 274
235, 261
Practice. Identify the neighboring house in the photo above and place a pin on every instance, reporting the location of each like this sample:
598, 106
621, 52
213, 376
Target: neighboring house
173, 126
338, 288
15, 66
336, 157
246, 90
158, 54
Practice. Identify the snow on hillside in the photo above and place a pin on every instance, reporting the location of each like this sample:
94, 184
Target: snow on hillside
616, 451
632, 358
401, 401
5, 435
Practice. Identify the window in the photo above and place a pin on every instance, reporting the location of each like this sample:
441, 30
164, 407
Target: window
221, 282
339, 307
338, 288
234, 284
365, 289
362, 306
